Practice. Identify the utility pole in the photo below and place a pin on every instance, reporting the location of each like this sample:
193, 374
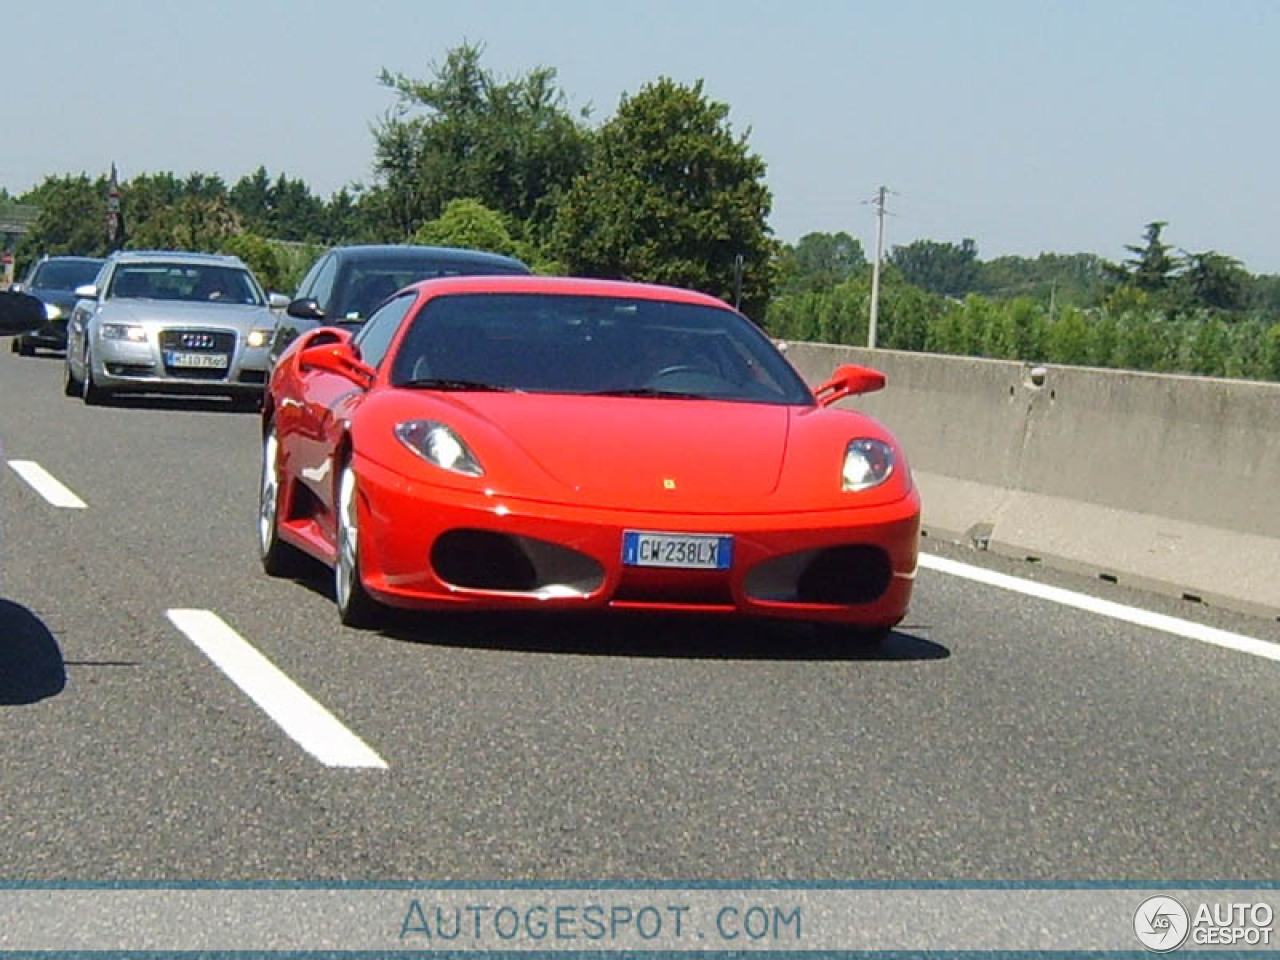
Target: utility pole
875, 267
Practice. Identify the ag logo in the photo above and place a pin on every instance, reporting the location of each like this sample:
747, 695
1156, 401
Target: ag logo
1161, 924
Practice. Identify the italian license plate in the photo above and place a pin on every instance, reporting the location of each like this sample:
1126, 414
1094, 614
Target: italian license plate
686, 551
203, 361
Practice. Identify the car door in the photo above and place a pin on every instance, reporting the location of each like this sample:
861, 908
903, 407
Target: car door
330, 401
78, 322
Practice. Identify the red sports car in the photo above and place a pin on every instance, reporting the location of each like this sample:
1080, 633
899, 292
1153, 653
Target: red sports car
538, 443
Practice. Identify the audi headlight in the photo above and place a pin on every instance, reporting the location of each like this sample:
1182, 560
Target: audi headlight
52, 311
258, 338
437, 444
867, 463
123, 331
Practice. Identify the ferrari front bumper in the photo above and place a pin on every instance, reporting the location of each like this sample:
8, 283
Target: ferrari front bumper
430, 547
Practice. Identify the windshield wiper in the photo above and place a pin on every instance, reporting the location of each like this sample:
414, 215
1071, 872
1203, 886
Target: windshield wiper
441, 383
649, 392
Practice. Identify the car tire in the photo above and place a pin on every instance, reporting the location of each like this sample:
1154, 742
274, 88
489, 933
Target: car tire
23, 348
90, 392
246, 402
355, 607
279, 559
70, 385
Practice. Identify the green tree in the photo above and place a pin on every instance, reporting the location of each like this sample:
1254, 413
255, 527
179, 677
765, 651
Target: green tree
262, 258
671, 196
72, 219
820, 261
511, 144
943, 268
468, 223
1067, 338
191, 223
1211, 281
251, 198
1151, 265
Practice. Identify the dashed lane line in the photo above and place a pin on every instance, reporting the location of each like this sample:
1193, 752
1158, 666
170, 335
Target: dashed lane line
1107, 608
308, 723
47, 485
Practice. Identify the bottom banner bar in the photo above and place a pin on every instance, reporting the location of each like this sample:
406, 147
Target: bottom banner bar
669, 920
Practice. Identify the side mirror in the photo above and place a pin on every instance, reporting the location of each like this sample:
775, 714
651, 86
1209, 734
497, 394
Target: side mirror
306, 308
277, 301
17, 287
338, 358
88, 291
848, 380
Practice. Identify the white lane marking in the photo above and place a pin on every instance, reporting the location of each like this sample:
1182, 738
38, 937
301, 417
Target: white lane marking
1117, 611
313, 727
47, 485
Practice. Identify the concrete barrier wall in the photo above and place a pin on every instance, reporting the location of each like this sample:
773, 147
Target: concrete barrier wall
1165, 482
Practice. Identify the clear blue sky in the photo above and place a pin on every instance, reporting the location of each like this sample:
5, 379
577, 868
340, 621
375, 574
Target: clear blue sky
1029, 126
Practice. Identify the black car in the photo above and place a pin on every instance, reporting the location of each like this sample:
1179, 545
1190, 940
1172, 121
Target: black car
346, 284
53, 281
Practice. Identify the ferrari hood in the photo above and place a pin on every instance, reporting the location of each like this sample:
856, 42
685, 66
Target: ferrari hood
643, 453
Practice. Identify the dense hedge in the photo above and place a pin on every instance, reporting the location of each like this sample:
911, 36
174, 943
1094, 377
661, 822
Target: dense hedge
1133, 337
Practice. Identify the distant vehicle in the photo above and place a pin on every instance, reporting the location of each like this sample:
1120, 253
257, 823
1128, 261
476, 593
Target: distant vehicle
545, 443
346, 284
52, 281
164, 321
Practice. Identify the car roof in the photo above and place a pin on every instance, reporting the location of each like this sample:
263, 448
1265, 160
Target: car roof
176, 256
69, 257
572, 286
455, 255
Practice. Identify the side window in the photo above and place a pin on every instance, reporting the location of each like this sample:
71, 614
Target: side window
376, 335
322, 288
304, 288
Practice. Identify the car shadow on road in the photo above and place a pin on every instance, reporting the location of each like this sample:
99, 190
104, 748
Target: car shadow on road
181, 404
633, 634
658, 635
31, 665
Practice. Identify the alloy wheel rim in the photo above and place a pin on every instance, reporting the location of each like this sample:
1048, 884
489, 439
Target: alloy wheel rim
268, 495
348, 537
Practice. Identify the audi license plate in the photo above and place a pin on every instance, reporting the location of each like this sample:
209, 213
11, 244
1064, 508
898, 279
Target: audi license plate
687, 551
204, 361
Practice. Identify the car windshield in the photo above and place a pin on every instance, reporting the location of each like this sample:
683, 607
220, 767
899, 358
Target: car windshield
196, 283
592, 345
64, 275
368, 282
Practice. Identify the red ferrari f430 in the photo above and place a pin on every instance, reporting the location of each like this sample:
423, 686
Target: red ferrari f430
538, 443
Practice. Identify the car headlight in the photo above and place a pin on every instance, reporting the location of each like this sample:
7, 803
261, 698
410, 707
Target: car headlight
52, 311
258, 338
437, 444
867, 463
124, 331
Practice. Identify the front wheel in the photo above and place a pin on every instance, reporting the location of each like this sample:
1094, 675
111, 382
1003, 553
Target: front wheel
90, 392
70, 385
279, 559
355, 607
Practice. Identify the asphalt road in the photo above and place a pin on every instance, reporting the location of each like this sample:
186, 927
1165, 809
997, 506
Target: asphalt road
996, 736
